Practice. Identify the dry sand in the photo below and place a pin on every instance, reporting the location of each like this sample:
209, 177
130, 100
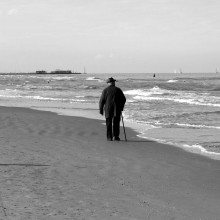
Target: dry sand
62, 167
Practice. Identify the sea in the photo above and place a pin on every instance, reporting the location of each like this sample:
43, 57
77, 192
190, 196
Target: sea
180, 109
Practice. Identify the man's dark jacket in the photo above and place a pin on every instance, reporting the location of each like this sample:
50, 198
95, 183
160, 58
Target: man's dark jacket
112, 101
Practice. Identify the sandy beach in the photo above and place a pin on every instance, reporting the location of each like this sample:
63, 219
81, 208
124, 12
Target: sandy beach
62, 167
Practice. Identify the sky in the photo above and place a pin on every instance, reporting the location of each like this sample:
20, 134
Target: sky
110, 36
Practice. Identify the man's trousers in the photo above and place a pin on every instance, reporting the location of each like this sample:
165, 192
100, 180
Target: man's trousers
113, 127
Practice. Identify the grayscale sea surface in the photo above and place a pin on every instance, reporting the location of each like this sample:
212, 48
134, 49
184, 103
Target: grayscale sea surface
179, 109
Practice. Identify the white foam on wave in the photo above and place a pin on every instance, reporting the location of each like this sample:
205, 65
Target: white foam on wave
133, 92
56, 99
147, 98
11, 96
172, 81
195, 148
178, 97
44, 98
184, 125
8, 93
41, 98
53, 77
147, 92
94, 79
192, 98
194, 101
197, 126
37, 87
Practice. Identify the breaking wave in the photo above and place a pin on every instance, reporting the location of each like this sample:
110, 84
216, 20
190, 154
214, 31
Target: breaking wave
159, 94
94, 79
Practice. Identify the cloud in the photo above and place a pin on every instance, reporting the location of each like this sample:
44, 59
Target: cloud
12, 11
111, 55
99, 56
103, 56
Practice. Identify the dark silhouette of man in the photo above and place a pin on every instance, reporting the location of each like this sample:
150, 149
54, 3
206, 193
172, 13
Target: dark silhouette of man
112, 102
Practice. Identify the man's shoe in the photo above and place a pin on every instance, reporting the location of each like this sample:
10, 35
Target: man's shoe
117, 139
109, 139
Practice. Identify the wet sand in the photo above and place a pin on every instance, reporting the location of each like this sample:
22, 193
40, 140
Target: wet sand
62, 167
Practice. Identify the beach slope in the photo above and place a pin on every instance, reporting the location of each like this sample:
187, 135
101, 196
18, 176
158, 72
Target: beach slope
62, 167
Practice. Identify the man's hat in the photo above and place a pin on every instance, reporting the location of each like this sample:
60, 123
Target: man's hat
109, 80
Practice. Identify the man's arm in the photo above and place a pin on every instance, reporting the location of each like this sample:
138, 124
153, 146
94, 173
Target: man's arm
102, 102
123, 100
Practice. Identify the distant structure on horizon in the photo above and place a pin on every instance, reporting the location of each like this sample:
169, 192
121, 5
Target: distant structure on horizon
41, 72
61, 72
57, 72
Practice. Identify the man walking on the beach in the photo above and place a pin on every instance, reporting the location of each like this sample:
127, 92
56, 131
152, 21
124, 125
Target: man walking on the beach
112, 101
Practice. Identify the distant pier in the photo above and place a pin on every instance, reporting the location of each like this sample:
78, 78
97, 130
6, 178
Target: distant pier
57, 72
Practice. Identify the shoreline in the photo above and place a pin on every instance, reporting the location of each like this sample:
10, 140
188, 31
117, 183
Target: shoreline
91, 111
194, 149
56, 166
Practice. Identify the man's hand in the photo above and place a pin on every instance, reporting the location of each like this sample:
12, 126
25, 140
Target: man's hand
101, 112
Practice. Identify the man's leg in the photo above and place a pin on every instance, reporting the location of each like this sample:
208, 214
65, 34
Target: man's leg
116, 128
109, 129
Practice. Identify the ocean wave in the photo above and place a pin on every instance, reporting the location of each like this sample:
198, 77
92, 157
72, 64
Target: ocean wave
201, 113
52, 77
38, 87
147, 92
87, 87
10, 96
77, 99
203, 150
94, 79
72, 100
172, 81
195, 102
195, 126
41, 98
10, 93
216, 89
91, 87
188, 100
88, 97
194, 148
